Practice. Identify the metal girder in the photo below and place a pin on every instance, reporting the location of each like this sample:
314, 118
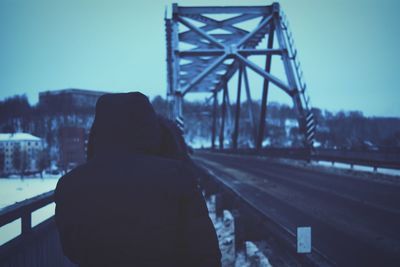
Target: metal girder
215, 40
201, 52
204, 68
218, 52
259, 10
228, 75
200, 32
204, 73
265, 74
223, 113
237, 111
246, 38
214, 120
256, 52
250, 103
214, 24
263, 112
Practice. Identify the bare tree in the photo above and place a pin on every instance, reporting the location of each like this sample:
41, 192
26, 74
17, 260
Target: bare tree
44, 161
20, 160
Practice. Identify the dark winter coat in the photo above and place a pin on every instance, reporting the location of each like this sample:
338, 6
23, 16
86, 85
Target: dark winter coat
127, 206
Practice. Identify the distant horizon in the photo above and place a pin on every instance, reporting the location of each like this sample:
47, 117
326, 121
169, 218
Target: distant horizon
151, 98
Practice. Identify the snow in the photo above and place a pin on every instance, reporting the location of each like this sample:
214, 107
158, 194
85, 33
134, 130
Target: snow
389, 171
241, 260
317, 144
199, 142
226, 237
225, 228
338, 165
10, 231
14, 190
266, 142
291, 123
18, 137
255, 256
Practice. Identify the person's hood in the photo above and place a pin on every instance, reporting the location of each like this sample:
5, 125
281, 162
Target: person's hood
124, 122
173, 144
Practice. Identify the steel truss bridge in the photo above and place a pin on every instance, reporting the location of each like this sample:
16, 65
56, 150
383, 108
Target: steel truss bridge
221, 48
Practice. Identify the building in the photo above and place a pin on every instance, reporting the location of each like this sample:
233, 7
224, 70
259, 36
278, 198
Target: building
72, 147
69, 98
20, 153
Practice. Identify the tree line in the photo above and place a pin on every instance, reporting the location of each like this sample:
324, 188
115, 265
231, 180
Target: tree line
344, 129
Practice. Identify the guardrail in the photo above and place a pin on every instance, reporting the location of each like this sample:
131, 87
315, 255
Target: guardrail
35, 246
374, 159
23, 210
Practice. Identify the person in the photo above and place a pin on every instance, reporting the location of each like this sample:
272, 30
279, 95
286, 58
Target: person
130, 204
172, 142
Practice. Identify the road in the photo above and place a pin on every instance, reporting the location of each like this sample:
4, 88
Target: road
355, 220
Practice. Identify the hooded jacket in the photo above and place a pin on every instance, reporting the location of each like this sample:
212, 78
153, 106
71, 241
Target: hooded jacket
129, 206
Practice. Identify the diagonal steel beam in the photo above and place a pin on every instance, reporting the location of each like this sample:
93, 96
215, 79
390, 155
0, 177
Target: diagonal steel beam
214, 25
233, 67
265, 74
204, 73
240, 18
224, 24
189, 34
255, 31
201, 53
254, 52
200, 32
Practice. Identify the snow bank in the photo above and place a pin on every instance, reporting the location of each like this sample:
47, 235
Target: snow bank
225, 228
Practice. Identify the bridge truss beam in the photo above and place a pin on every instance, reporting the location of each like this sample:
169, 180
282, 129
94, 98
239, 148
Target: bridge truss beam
213, 59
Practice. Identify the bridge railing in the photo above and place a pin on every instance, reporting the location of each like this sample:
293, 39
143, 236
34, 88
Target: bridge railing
37, 245
23, 210
375, 159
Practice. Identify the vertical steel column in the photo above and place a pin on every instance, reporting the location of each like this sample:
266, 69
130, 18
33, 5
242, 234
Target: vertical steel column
237, 112
261, 127
214, 120
287, 64
290, 73
222, 128
175, 65
250, 103
178, 102
228, 115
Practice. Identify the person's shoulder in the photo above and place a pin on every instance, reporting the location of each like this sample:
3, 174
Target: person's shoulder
67, 180
77, 171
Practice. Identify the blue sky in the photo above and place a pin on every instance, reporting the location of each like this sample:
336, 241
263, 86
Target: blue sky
348, 49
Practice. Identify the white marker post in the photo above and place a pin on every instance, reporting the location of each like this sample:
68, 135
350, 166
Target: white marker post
303, 239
